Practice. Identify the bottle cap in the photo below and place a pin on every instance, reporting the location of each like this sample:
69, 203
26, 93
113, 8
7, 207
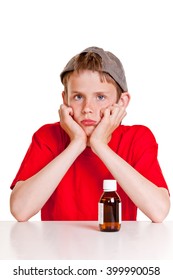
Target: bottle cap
109, 185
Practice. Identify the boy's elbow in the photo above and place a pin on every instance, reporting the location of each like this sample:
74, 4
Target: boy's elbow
160, 214
20, 217
158, 219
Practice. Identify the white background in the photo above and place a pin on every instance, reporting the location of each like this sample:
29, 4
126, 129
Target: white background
38, 37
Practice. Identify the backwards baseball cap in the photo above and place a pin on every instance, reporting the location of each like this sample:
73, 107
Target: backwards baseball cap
110, 65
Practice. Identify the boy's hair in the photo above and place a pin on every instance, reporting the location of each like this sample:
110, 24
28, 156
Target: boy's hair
105, 63
90, 61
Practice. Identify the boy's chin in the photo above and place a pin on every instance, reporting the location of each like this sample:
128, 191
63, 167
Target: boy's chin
89, 130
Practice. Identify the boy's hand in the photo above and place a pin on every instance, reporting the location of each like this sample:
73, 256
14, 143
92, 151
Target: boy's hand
71, 127
111, 119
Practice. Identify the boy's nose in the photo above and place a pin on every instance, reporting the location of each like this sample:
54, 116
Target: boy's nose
87, 108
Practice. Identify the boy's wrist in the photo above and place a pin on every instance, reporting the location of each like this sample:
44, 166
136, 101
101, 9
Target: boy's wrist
97, 145
78, 144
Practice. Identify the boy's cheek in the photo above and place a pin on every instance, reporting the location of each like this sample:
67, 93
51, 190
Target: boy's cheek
75, 117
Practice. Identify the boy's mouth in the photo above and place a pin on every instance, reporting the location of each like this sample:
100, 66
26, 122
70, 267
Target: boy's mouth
88, 122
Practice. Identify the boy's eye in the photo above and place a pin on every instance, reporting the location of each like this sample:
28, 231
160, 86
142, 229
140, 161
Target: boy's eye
77, 97
100, 97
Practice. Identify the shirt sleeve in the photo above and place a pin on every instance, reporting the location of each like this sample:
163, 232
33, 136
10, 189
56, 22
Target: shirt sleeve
38, 155
146, 150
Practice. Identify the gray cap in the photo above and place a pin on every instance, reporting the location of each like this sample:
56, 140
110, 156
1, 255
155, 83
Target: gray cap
110, 64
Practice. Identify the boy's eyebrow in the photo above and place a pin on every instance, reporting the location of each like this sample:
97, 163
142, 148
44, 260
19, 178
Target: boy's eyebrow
96, 92
75, 91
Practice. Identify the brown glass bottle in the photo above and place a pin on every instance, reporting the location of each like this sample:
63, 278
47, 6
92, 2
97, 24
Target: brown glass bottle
109, 210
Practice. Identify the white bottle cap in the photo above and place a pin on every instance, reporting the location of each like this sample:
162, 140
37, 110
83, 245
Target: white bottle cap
109, 185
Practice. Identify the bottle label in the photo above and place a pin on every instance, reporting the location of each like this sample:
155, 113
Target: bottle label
120, 213
101, 213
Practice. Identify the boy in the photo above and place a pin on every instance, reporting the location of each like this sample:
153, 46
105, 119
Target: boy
63, 171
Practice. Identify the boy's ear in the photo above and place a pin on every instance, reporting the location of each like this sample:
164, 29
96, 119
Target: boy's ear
124, 99
64, 97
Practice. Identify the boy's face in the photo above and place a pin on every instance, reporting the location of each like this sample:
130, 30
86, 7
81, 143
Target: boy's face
88, 97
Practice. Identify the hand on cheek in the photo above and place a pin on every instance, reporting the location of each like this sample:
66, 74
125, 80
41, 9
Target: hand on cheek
111, 118
71, 127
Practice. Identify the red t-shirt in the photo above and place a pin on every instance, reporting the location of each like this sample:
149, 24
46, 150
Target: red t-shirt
78, 193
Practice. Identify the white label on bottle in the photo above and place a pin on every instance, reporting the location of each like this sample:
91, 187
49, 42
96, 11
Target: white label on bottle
120, 213
100, 213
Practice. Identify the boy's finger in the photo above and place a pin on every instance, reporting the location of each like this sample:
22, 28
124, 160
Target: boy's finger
106, 112
65, 111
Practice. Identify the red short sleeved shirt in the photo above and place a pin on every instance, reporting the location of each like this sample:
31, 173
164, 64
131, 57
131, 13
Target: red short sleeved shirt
78, 193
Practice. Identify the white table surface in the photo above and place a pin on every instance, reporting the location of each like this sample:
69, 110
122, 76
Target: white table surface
83, 240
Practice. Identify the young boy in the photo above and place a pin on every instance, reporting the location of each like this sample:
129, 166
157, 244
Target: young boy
63, 171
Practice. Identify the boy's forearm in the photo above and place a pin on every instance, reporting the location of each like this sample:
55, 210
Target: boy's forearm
29, 196
151, 200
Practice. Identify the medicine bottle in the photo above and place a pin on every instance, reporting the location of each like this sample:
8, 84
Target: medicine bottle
109, 207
